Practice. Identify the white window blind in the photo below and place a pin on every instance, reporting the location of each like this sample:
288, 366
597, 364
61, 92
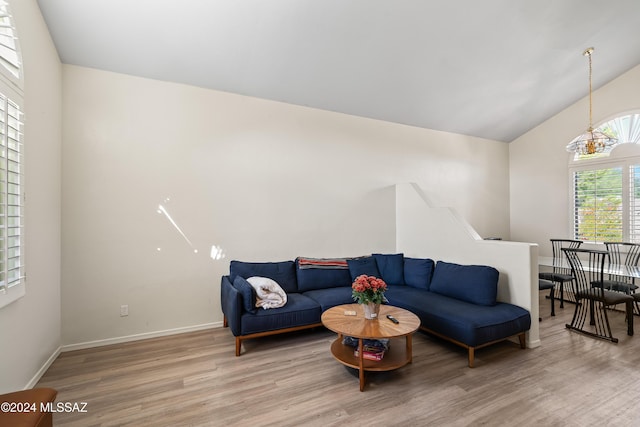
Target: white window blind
12, 269
9, 56
11, 221
598, 204
634, 203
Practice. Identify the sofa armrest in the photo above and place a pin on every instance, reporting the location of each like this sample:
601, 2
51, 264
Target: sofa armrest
231, 302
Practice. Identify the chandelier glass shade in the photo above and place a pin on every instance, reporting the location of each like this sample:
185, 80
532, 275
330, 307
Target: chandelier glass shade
593, 140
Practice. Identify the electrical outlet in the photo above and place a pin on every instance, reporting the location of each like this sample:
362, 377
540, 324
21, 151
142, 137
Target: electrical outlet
124, 310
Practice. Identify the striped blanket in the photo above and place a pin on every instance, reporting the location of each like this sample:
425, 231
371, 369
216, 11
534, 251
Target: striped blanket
325, 263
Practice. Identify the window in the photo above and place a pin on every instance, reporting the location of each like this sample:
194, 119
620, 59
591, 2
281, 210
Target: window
625, 128
605, 188
11, 222
9, 54
12, 270
598, 215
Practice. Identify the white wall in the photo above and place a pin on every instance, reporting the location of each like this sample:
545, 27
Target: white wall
263, 180
538, 162
30, 327
423, 229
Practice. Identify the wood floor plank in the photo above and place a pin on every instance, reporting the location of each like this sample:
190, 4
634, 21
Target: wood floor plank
195, 379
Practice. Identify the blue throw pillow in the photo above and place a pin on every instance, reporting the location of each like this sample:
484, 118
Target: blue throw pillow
365, 265
477, 284
391, 267
284, 273
418, 272
248, 294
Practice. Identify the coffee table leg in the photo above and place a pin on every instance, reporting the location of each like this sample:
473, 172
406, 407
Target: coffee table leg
361, 363
409, 347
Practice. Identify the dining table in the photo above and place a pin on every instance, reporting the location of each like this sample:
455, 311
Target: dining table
630, 271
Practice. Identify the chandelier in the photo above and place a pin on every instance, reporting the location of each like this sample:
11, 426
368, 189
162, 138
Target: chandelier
592, 141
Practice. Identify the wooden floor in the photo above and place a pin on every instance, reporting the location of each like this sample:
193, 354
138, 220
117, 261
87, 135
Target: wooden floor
195, 380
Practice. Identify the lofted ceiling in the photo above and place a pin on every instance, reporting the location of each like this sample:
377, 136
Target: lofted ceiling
492, 69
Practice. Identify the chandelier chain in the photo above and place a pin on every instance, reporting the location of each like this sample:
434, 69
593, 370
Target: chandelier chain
593, 140
588, 53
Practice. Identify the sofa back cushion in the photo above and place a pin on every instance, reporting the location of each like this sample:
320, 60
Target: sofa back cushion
391, 268
364, 265
322, 273
477, 284
418, 272
284, 273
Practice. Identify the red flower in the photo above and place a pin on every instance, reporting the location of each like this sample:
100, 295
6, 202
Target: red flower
367, 289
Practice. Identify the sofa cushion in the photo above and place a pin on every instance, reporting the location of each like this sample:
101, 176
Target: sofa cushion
282, 272
248, 294
328, 298
365, 265
406, 296
391, 268
316, 273
468, 323
418, 272
300, 310
477, 284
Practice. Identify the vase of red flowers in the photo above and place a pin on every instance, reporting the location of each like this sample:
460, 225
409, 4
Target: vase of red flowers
369, 291
371, 310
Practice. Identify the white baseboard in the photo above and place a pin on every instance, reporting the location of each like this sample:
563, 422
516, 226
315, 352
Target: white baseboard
32, 383
137, 337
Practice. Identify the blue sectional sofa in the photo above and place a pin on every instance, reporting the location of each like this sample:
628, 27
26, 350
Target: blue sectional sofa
454, 302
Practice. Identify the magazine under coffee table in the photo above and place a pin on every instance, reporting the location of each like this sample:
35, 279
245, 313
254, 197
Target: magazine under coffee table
358, 327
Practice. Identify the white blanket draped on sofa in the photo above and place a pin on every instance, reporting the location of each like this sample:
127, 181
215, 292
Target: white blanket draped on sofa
268, 293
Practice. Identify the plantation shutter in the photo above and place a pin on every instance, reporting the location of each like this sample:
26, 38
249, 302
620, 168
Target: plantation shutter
598, 211
12, 266
11, 220
9, 56
634, 204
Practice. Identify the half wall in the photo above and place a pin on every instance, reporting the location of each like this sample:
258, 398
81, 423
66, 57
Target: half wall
441, 234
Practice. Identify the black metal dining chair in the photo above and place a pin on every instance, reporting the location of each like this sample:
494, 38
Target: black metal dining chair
622, 253
544, 285
627, 254
592, 299
560, 273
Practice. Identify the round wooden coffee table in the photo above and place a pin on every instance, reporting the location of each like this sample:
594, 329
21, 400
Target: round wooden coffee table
398, 354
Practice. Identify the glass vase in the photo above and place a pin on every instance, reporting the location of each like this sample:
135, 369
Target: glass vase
371, 310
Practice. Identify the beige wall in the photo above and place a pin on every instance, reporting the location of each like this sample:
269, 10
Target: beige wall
538, 162
30, 327
263, 180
